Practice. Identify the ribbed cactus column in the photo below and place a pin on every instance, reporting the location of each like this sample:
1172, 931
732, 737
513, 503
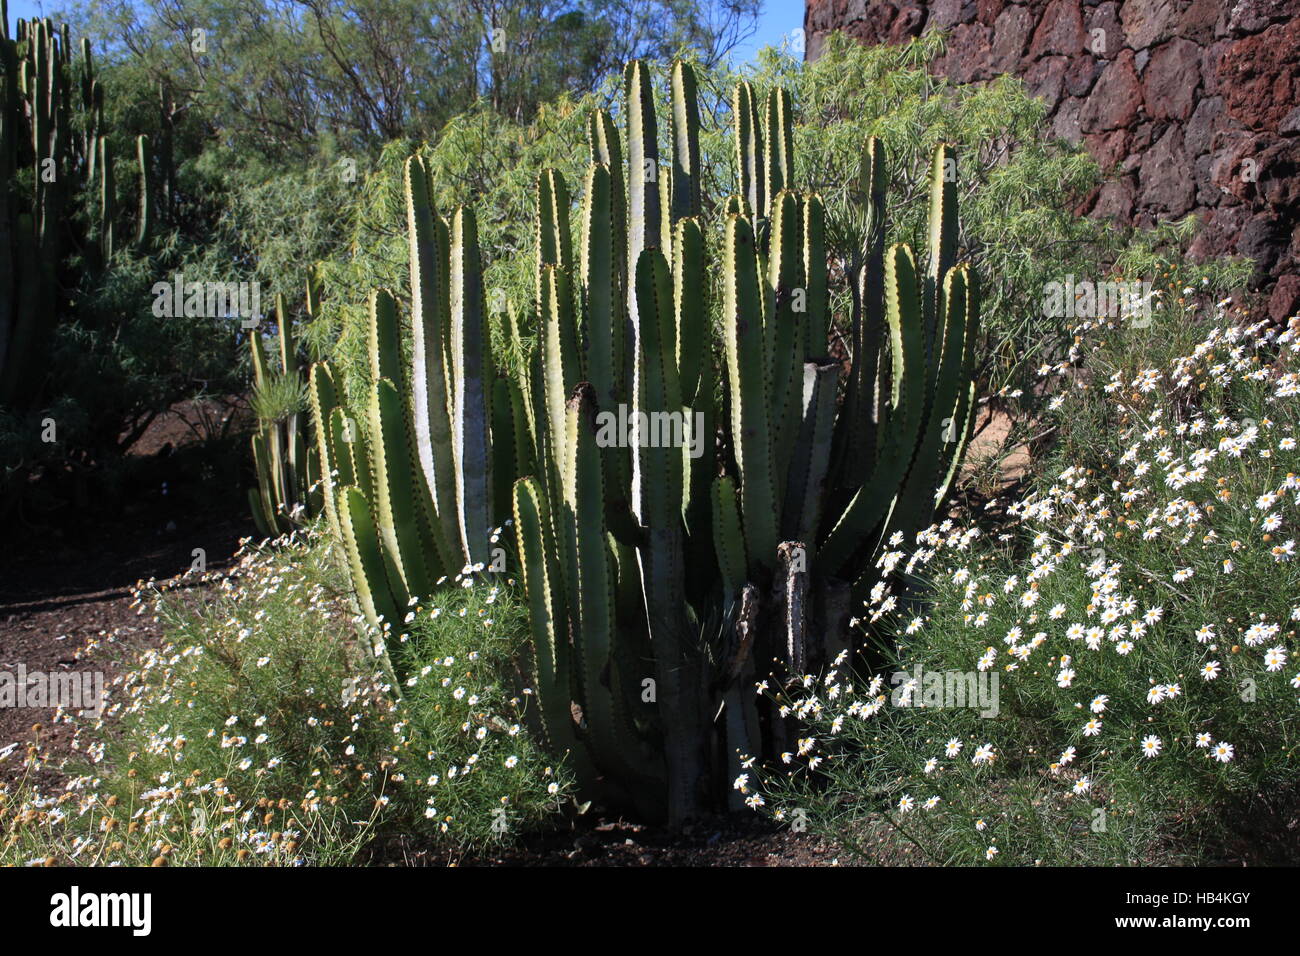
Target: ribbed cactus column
472, 396
107, 198
752, 184
786, 329
397, 495
46, 149
430, 377
644, 216
144, 229
547, 613
369, 574
322, 396
686, 143
749, 377
873, 498
657, 490
288, 461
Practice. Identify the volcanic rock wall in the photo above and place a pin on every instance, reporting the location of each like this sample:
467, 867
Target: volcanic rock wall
1195, 103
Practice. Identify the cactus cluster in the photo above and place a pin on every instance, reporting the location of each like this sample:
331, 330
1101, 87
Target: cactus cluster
408, 482
724, 542
285, 455
53, 145
662, 583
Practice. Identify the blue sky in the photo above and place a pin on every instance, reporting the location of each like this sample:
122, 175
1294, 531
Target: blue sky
778, 20
25, 10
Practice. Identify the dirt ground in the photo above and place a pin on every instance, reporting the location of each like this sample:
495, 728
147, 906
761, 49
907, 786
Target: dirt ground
61, 595
58, 598
65, 588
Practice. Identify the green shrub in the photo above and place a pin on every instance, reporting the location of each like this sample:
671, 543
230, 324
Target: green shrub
89, 365
1019, 227
1139, 614
259, 733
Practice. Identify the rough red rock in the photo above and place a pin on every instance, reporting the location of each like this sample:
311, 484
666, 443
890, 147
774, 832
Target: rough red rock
1264, 238
1194, 104
1212, 58
1172, 79
1060, 30
1117, 98
1066, 123
1082, 73
1234, 162
1200, 128
1046, 79
1011, 33
1251, 16
1116, 199
1219, 231
986, 11
1148, 22
946, 13
1260, 76
1109, 149
1284, 303
1279, 176
1198, 21
967, 57
1105, 35
907, 23
1164, 185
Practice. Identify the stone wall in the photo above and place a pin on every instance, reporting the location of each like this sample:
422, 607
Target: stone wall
1195, 104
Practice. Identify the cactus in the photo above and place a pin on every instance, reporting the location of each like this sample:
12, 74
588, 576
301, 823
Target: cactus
286, 459
144, 228
435, 430
39, 95
107, 197
662, 581
777, 541
471, 405
430, 376
35, 132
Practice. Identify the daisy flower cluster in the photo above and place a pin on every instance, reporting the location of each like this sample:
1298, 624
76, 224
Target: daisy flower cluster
267, 731
1135, 613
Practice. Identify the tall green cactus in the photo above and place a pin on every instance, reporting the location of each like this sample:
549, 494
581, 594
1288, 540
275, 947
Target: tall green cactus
421, 458
471, 404
668, 570
35, 133
431, 390
41, 93
286, 459
809, 484
144, 228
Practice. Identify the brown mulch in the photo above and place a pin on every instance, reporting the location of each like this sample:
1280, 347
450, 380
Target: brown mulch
742, 841
69, 590
597, 840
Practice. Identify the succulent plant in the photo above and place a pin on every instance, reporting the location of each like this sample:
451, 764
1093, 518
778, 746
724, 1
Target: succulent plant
408, 484
285, 458
663, 577
38, 233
